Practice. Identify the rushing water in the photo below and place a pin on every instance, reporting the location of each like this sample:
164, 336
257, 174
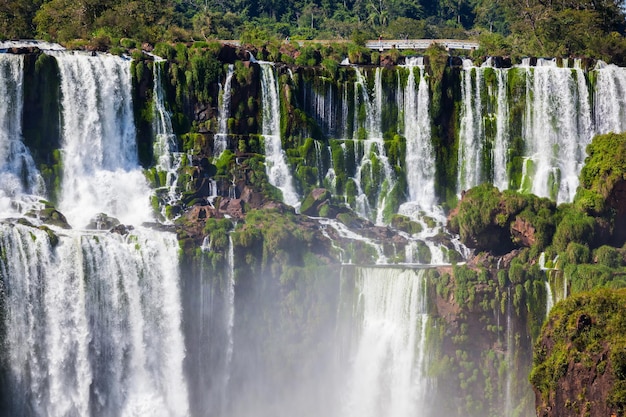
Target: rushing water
557, 130
93, 324
92, 319
168, 159
101, 324
471, 134
275, 160
18, 173
419, 149
221, 138
101, 172
388, 375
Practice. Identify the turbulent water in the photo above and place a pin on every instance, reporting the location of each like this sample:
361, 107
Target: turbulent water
18, 173
221, 137
101, 172
102, 324
276, 165
93, 325
388, 375
92, 319
168, 160
417, 130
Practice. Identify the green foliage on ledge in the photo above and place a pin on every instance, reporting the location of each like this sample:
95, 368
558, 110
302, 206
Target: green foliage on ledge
274, 239
604, 168
586, 331
487, 219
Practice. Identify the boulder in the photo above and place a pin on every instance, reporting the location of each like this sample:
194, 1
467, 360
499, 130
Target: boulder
103, 221
314, 201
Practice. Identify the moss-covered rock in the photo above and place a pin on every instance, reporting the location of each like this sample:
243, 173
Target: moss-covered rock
490, 220
580, 361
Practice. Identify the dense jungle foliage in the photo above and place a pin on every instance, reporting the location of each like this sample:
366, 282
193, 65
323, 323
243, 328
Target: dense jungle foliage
527, 27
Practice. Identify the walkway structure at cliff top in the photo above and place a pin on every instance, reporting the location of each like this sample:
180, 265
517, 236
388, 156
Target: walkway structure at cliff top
386, 44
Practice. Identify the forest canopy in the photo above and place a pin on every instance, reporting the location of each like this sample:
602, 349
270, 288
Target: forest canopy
531, 27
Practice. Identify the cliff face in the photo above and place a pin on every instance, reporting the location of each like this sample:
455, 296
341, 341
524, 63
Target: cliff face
580, 357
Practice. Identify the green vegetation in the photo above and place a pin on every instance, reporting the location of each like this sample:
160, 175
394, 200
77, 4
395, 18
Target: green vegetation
512, 27
585, 331
490, 219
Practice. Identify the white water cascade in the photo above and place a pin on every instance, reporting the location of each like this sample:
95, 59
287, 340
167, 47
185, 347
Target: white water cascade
549, 298
18, 173
557, 128
343, 231
221, 137
373, 144
501, 141
420, 160
101, 172
93, 324
388, 374
275, 160
471, 136
610, 98
230, 312
168, 159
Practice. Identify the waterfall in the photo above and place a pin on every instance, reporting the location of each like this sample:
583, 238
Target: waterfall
549, 298
388, 374
168, 160
322, 104
101, 172
230, 313
18, 173
471, 134
610, 98
420, 160
374, 146
344, 232
557, 129
501, 145
276, 163
372, 122
93, 325
221, 138
509, 357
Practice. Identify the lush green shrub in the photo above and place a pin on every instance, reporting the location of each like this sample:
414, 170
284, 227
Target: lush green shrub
574, 227
608, 256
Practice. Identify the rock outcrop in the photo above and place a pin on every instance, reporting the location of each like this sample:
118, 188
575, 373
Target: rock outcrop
580, 359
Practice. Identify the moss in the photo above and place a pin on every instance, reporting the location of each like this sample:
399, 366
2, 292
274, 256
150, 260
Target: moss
575, 226
405, 224
225, 162
580, 328
486, 216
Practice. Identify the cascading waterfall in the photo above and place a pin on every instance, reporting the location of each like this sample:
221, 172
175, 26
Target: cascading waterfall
610, 98
420, 161
168, 159
345, 232
373, 145
93, 319
221, 138
230, 313
509, 357
549, 298
557, 124
100, 167
93, 324
501, 145
471, 134
557, 129
276, 164
18, 173
388, 374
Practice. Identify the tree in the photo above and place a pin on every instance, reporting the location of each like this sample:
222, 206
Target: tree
16, 18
